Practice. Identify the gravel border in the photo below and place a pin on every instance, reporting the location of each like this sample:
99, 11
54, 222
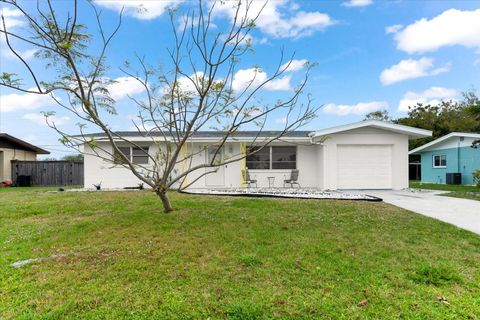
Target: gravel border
294, 193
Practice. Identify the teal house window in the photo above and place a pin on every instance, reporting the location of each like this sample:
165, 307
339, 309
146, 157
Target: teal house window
439, 161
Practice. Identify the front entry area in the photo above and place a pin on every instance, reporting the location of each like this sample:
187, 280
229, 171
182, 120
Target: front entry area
215, 179
364, 166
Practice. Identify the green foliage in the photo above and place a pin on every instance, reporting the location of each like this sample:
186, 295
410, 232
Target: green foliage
442, 119
381, 115
476, 177
10, 79
75, 157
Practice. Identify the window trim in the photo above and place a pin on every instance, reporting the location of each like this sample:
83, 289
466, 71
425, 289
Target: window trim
270, 160
440, 161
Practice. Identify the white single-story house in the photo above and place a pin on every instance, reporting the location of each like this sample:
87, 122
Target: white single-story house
12, 148
364, 155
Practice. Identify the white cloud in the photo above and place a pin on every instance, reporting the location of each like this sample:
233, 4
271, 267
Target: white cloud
40, 119
452, 27
394, 28
124, 87
294, 65
433, 96
281, 120
254, 77
360, 108
140, 9
24, 101
279, 84
410, 69
12, 21
7, 53
12, 17
357, 3
279, 18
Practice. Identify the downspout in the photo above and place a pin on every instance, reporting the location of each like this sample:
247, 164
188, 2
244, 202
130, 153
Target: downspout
458, 155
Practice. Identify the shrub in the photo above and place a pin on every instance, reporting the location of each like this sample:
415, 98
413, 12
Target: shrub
476, 177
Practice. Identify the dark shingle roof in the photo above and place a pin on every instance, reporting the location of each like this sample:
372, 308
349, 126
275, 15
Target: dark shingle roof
210, 134
9, 141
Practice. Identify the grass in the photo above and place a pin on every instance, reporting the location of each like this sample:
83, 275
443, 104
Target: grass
230, 258
458, 191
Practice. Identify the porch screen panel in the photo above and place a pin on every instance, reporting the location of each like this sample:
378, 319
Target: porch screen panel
258, 160
284, 157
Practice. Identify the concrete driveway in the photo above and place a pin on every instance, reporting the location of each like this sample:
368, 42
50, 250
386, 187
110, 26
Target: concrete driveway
462, 213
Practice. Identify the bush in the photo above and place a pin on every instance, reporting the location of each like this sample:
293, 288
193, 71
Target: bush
476, 177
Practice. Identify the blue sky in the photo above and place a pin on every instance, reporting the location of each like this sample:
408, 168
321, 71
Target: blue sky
371, 55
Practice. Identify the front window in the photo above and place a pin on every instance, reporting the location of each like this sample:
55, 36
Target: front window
134, 154
260, 159
439, 161
272, 157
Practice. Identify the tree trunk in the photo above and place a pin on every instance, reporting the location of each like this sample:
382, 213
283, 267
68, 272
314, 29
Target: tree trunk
167, 207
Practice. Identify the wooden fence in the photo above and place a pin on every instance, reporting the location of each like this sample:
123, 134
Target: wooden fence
49, 173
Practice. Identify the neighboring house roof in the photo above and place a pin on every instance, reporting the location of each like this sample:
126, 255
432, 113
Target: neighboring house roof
413, 133
444, 138
10, 142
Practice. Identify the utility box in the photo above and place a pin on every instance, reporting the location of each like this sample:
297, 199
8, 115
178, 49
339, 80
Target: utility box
24, 181
454, 178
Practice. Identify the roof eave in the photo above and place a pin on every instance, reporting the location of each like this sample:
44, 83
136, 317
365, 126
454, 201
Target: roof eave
441, 139
413, 133
25, 144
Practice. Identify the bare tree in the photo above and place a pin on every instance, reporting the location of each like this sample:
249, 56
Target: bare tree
196, 93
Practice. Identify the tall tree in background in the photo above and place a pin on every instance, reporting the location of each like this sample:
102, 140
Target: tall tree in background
380, 115
444, 118
196, 92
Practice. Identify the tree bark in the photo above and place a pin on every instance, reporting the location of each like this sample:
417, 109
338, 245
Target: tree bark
167, 207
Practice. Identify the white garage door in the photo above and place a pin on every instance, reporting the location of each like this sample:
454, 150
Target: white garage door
364, 167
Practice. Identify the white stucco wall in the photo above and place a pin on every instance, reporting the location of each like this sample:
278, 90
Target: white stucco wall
98, 170
366, 136
6, 155
317, 163
109, 175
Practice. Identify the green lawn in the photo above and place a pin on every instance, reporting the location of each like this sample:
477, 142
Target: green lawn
458, 191
230, 258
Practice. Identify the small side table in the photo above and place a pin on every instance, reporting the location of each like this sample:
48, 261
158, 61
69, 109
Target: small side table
271, 182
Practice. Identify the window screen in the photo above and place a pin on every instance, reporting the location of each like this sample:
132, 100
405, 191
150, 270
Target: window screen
260, 159
118, 158
284, 157
139, 156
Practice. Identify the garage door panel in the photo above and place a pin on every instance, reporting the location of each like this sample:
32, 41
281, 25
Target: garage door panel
364, 166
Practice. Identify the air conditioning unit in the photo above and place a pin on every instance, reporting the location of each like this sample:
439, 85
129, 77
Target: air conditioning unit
454, 178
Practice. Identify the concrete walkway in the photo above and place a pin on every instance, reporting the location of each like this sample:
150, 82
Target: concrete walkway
462, 213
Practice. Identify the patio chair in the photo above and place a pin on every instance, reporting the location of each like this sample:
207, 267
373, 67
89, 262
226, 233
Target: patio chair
247, 180
293, 179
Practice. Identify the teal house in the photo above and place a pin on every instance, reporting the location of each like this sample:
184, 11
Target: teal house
449, 159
